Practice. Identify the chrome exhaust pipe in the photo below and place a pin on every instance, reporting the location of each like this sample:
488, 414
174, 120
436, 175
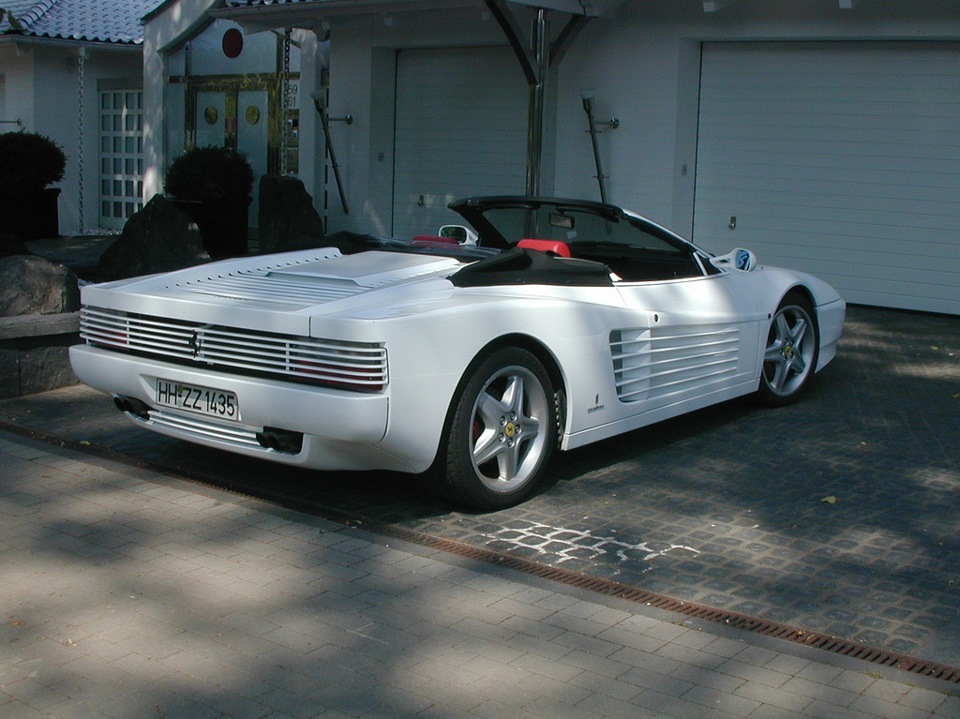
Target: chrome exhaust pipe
133, 406
280, 440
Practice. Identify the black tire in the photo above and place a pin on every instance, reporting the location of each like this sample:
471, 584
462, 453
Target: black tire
503, 432
791, 352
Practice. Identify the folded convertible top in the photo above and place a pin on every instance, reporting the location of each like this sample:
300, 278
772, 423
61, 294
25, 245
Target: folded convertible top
532, 267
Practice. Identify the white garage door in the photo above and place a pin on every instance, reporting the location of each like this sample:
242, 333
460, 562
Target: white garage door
839, 159
461, 130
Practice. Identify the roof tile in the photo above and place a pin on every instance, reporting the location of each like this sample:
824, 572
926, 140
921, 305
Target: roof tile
111, 21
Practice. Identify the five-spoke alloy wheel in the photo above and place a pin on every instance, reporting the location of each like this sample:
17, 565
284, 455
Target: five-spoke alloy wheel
503, 431
792, 349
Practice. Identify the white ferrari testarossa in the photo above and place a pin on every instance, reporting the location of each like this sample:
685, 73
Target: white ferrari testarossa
475, 354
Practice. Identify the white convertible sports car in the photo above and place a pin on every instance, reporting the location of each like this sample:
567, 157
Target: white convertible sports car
475, 354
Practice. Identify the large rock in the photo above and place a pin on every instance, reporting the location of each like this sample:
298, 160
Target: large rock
287, 217
159, 238
31, 285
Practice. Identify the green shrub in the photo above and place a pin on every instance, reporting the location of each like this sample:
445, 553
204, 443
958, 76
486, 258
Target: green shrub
210, 174
29, 162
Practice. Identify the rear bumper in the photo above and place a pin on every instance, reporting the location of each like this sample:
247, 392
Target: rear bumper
341, 429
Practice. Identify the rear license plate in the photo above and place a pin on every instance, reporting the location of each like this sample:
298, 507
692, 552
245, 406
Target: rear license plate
218, 403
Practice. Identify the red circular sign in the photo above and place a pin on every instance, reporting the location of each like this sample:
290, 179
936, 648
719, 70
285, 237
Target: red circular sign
232, 42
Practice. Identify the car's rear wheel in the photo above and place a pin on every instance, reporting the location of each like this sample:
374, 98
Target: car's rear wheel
503, 431
792, 349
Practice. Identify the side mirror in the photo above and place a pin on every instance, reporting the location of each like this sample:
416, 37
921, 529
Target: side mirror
463, 235
738, 259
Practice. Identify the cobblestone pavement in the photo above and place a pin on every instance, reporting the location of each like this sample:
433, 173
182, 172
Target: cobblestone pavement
129, 594
840, 514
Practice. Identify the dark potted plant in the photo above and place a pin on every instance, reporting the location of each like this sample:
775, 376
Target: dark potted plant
28, 164
212, 186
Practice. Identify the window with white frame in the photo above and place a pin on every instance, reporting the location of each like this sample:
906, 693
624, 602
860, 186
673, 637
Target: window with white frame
121, 155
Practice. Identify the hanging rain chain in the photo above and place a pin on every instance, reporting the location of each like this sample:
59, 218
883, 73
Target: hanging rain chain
81, 63
286, 104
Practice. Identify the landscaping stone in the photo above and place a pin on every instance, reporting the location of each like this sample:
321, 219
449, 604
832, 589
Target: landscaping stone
31, 285
38, 323
287, 217
159, 238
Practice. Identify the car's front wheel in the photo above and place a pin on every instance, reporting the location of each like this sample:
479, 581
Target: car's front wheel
503, 431
792, 349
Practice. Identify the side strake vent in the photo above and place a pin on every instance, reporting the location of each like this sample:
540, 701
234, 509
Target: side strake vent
652, 363
356, 366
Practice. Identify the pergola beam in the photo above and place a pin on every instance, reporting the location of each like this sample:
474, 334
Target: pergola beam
534, 51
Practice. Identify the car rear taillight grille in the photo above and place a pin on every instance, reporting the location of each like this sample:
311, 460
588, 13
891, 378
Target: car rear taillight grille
355, 366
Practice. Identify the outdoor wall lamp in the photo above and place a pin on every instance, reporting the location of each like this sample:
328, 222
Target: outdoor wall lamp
322, 110
613, 123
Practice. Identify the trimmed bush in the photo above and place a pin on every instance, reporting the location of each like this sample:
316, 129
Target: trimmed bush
29, 162
210, 174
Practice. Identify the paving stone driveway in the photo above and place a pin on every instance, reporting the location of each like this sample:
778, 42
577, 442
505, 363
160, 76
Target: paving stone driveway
840, 514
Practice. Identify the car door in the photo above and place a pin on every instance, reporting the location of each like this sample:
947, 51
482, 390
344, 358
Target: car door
695, 338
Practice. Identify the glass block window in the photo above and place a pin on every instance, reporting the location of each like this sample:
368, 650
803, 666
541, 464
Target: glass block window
121, 156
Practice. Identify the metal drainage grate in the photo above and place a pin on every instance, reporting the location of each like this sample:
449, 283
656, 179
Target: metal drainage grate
606, 587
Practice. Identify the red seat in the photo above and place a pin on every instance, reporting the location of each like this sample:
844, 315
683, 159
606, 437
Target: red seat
553, 247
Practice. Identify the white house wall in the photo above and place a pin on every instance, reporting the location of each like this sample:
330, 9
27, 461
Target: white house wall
362, 84
42, 91
642, 63
56, 114
18, 83
632, 70
165, 32
108, 64
175, 23
841, 159
644, 67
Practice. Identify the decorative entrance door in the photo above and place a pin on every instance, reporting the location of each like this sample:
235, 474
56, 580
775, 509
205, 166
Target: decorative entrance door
237, 115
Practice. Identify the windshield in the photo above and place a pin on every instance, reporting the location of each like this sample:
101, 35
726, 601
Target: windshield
570, 225
503, 222
635, 249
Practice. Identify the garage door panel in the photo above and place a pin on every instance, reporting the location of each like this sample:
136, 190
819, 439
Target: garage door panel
839, 158
882, 204
936, 244
805, 64
460, 130
856, 256
766, 226
874, 291
789, 242
860, 152
913, 171
842, 111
